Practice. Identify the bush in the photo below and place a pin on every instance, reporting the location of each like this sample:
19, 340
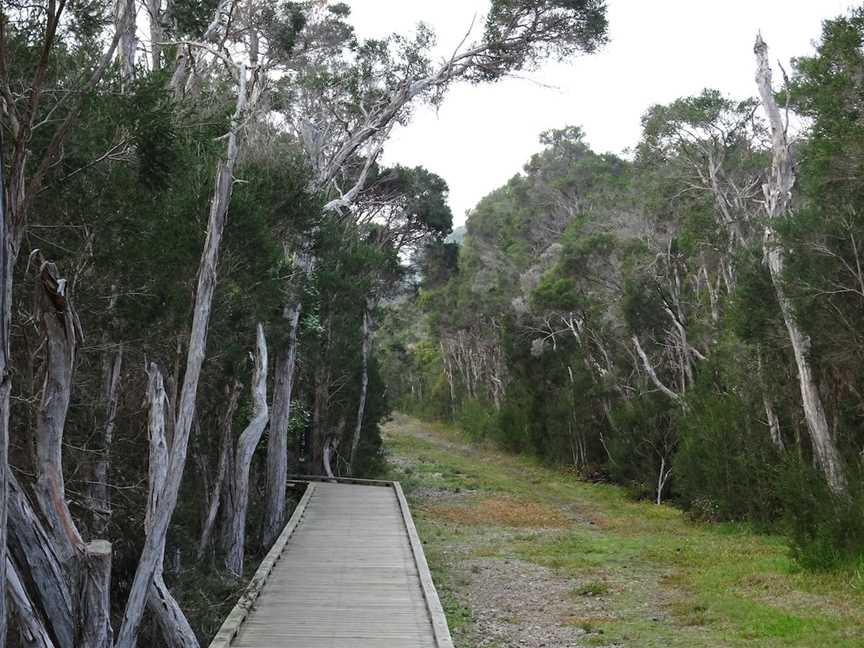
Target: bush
726, 458
826, 530
477, 419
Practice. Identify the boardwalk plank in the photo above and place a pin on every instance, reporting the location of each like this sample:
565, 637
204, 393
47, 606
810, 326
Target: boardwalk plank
348, 577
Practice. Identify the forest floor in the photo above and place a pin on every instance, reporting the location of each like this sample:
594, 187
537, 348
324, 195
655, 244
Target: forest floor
527, 556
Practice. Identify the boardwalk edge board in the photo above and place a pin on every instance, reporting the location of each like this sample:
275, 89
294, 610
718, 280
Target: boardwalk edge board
433, 603
229, 629
438, 620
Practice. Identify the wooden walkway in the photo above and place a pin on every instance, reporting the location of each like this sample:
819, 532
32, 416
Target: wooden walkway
347, 572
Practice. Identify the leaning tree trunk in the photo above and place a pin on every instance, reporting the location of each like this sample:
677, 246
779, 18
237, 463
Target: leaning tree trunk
173, 626
778, 195
154, 545
243, 459
32, 552
277, 443
32, 628
365, 344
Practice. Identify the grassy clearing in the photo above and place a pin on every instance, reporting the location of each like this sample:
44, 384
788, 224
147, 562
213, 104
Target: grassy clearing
667, 581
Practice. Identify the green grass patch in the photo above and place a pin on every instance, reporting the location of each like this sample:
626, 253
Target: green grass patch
665, 580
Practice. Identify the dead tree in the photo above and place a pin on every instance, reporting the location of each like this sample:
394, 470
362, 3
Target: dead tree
778, 197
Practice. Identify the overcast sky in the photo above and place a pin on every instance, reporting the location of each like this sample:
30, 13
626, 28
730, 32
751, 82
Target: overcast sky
659, 50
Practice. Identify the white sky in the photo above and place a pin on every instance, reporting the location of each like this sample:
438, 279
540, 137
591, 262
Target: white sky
659, 50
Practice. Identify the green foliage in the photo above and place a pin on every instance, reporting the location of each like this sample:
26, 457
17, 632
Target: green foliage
827, 530
740, 485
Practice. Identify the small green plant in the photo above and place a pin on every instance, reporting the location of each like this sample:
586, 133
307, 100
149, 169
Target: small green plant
594, 588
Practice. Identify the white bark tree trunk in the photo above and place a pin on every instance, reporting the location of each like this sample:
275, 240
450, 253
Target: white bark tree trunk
124, 19
652, 374
365, 345
277, 443
778, 196
246, 445
173, 626
155, 542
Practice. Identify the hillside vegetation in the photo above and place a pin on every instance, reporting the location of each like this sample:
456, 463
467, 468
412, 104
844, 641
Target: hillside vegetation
528, 555
684, 321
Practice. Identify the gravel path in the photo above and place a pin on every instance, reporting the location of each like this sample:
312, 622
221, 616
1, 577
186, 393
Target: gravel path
513, 603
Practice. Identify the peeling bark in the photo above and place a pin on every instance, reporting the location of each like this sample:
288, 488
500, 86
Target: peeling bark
246, 445
39, 567
155, 543
94, 608
277, 443
125, 24
778, 196
59, 323
32, 629
174, 628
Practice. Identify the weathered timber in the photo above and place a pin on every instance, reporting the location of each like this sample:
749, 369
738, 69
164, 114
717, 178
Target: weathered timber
352, 574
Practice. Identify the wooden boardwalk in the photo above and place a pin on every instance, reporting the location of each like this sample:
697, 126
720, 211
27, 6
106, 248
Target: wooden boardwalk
347, 572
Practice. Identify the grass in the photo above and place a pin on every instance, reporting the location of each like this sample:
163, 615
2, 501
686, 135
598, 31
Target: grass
666, 581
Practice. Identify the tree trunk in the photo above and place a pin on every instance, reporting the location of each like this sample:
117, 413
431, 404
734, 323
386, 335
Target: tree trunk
58, 322
365, 344
154, 545
154, 8
7, 261
94, 608
165, 610
31, 549
768, 404
32, 629
320, 399
778, 195
652, 374
277, 443
246, 445
124, 19
226, 447
100, 495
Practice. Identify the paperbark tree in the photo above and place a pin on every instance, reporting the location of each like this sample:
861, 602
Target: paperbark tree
277, 442
778, 197
365, 348
243, 458
174, 628
154, 545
